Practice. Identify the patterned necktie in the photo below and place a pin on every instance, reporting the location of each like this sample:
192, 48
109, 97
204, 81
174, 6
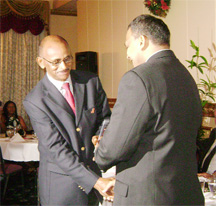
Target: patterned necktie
69, 96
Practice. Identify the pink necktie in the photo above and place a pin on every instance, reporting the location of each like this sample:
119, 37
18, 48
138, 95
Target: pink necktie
69, 96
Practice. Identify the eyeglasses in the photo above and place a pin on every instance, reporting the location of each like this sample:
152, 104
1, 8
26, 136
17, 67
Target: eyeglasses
56, 63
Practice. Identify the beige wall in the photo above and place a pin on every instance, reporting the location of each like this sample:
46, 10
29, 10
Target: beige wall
101, 27
65, 26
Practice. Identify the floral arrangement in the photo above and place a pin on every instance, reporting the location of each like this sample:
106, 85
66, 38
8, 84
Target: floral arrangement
158, 7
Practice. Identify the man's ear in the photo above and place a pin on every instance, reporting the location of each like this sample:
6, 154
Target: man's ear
40, 62
144, 41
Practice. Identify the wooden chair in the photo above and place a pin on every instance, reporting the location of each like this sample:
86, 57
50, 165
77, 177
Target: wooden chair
8, 169
111, 102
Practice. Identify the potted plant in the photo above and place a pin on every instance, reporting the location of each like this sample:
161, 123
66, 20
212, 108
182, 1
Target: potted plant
206, 86
206, 89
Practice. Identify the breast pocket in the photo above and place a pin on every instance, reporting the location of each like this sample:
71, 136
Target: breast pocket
90, 114
89, 121
121, 188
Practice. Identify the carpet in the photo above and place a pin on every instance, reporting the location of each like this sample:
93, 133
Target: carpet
16, 194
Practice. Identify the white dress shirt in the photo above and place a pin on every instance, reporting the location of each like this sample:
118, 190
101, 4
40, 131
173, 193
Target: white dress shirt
58, 84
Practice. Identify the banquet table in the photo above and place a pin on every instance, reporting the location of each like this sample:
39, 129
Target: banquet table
208, 200
20, 151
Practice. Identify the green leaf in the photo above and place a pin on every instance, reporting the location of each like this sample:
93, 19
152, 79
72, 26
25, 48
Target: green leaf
202, 91
212, 98
213, 85
203, 103
194, 46
203, 65
188, 61
204, 81
204, 59
200, 69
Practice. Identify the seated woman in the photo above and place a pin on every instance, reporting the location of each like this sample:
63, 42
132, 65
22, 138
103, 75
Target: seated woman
11, 120
208, 162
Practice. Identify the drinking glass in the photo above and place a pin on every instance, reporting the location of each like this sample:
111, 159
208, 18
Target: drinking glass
202, 183
10, 132
17, 128
212, 188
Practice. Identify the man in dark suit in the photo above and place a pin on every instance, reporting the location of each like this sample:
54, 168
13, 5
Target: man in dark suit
151, 137
67, 174
207, 161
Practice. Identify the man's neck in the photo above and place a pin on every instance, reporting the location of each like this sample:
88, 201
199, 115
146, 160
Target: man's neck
153, 49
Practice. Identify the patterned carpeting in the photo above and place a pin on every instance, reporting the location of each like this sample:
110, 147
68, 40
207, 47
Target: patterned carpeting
16, 194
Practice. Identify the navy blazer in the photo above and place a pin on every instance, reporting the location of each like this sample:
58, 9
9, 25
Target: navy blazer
67, 173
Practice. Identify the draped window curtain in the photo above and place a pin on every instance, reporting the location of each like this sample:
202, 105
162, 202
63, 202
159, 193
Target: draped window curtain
22, 25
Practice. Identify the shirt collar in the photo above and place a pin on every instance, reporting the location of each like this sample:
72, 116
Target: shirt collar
156, 53
58, 84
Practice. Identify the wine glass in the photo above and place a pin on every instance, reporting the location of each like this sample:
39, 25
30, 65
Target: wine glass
212, 188
202, 181
10, 132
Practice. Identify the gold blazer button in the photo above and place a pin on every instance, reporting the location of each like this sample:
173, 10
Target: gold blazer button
82, 148
78, 129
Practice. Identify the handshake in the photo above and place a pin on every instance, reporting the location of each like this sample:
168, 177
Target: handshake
104, 185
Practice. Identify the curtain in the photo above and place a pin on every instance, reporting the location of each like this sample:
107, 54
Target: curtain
19, 72
22, 25
22, 15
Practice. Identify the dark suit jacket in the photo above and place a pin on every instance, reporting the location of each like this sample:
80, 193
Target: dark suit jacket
67, 173
208, 151
152, 133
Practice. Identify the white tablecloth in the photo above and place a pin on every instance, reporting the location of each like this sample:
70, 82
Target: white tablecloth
20, 151
208, 200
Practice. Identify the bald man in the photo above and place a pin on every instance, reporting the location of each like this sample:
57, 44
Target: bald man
67, 174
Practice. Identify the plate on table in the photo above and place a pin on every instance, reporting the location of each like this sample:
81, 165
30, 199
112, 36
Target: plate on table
30, 137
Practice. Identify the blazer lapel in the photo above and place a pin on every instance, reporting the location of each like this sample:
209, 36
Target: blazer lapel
52, 94
59, 106
79, 92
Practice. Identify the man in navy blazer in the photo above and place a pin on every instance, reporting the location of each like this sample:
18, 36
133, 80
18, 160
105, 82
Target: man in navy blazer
151, 137
67, 174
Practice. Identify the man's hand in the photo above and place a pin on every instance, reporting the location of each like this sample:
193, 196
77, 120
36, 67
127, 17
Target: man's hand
95, 140
206, 175
110, 189
105, 186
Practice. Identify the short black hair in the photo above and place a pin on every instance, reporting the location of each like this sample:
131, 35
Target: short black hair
151, 27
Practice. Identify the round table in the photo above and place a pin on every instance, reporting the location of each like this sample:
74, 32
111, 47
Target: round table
22, 150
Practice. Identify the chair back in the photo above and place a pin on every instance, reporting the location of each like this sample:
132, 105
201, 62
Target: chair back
2, 169
111, 102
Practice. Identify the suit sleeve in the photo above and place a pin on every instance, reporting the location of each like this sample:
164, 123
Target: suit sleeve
58, 149
128, 121
103, 109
